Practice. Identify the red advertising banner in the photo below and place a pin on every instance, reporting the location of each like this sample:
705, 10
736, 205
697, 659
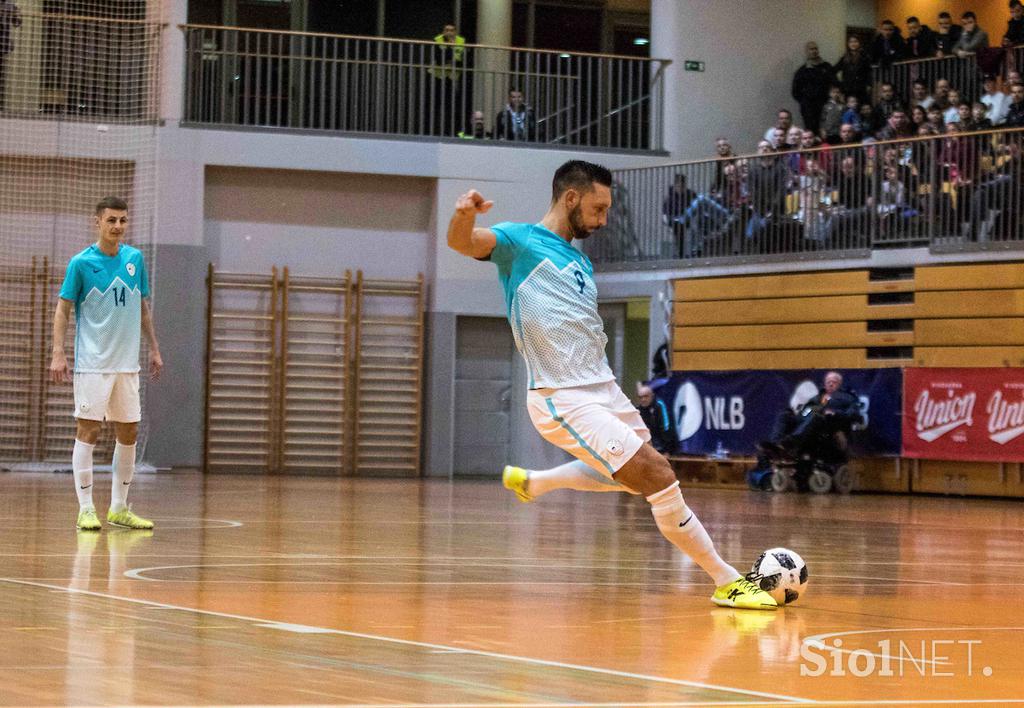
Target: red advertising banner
964, 414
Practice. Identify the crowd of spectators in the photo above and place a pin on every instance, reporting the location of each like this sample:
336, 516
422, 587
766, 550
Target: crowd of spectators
826, 181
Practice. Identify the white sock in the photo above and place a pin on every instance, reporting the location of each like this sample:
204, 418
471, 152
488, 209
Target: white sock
572, 475
123, 470
683, 529
81, 466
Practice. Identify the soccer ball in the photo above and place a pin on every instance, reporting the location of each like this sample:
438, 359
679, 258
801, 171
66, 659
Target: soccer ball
781, 573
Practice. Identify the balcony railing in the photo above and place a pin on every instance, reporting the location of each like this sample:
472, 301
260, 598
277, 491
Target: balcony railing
955, 192
260, 78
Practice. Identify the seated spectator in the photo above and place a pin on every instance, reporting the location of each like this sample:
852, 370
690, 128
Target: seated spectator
516, 120
808, 141
887, 102
897, 127
979, 114
768, 182
848, 134
853, 70
966, 117
998, 102
811, 84
832, 115
1015, 27
678, 199
918, 117
778, 139
888, 45
710, 216
793, 137
920, 40
851, 115
993, 204
947, 35
812, 194
1013, 77
958, 159
834, 409
783, 121
972, 38
893, 206
477, 128
919, 94
848, 214
723, 149
942, 89
657, 418
936, 120
1015, 113
952, 112
870, 123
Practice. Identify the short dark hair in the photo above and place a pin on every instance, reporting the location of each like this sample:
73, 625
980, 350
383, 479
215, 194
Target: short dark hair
912, 19
786, 111
945, 15
887, 83
920, 82
114, 203
888, 22
968, 16
579, 175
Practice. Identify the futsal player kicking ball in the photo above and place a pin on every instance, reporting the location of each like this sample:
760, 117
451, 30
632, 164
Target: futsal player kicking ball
573, 400
108, 285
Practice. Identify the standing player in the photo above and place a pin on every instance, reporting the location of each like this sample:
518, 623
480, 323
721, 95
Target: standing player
108, 285
573, 400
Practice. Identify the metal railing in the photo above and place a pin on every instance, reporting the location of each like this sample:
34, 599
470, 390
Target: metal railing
961, 191
963, 74
299, 80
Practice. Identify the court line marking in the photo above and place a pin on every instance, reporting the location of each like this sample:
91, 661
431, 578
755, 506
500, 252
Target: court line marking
734, 704
427, 645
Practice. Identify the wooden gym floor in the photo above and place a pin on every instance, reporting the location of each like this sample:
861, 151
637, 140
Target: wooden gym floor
303, 591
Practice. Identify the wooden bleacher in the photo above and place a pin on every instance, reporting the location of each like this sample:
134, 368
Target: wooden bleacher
945, 315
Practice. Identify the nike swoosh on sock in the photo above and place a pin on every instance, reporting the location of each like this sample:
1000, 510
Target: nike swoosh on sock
86, 486
684, 523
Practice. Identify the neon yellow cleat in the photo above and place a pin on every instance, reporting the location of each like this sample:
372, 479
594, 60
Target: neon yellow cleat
128, 519
88, 521
743, 595
517, 479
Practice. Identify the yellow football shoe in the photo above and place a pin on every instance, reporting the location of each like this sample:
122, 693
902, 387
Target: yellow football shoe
743, 595
518, 480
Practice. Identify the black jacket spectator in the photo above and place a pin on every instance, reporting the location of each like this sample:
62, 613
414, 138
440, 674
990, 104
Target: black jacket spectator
1015, 31
657, 419
853, 71
945, 42
768, 181
1015, 118
922, 45
811, 84
516, 124
886, 50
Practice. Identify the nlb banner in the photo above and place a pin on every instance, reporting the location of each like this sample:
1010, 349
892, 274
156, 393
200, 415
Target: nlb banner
737, 409
964, 414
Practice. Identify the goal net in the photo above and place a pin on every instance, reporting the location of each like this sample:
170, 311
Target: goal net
79, 90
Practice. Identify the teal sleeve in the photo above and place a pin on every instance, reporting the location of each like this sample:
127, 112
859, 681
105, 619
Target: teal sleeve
509, 240
143, 278
71, 289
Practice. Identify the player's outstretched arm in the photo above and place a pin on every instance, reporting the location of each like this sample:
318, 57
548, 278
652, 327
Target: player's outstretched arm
463, 237
58, 362
156, 362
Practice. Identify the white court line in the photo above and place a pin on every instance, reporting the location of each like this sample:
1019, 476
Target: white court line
734, 704
426, 645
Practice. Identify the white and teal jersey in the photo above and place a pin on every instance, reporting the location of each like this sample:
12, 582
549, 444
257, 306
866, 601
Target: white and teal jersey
551, 302
107, 292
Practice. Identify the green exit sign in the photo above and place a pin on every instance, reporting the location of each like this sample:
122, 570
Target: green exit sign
691, 65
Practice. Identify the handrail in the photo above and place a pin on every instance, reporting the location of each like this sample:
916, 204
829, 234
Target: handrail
903, 62
432, 43
825, 148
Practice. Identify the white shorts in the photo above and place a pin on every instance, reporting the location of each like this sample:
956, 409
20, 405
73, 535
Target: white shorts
113, 397
596, 424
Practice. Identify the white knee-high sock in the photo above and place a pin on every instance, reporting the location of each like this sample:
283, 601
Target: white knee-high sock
572, 475
123, 471
683, 529
81, 466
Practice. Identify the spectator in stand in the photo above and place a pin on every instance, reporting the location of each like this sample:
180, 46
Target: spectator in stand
768, 182
848, 134
887, 102
832, 116
942, 90
888, 45
446, 68
966, 117
947, 35
477, 128
918, 118
920, 40
811, 84
656, 417
1013, 77
972, 38
793, 137
997, 198
979, 114
998, 102
723, 149
809, 141
1015, 114
812, 188
783, 120
893, 207
674, 208
919, 94
936, 120
853, 201
853, 70
852, 113
778, 139
516, 121
952, 112
897, 127
1015, 27
870, 123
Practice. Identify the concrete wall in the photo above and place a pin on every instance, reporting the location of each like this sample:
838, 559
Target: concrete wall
751, 49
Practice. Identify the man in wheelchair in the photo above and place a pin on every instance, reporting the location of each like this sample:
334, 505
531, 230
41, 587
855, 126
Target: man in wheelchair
816, 436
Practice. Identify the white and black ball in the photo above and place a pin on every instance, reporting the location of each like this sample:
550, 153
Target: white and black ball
781, 573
